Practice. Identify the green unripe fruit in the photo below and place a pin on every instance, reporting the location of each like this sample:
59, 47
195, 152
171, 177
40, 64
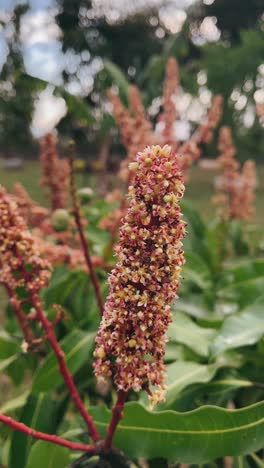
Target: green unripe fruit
85, 194
60, 220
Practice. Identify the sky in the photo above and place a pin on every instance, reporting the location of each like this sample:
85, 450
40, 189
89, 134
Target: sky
42, 50
40, 35
40, 39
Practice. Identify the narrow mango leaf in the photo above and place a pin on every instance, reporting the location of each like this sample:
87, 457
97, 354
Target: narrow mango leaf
8, 345
14, 404
239, 330
77, 107
77, 346
194, 220
6, 362
257, 460
185, 331
118, 77
38, 413
46, 455
243, 283
192, 307
181, 374
197, 271
195, 437
226, 385
174, 352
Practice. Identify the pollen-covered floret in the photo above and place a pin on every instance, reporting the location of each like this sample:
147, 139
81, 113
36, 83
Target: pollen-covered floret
20, 261
132, 335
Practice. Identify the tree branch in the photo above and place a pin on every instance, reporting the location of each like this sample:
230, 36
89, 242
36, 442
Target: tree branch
17, 426
51, 337
21, 318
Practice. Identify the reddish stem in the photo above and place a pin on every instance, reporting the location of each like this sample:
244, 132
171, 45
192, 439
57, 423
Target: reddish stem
84, 241
17, 426
117, 415
16, 304
51, 337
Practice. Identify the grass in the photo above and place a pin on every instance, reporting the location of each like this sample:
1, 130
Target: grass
199, 190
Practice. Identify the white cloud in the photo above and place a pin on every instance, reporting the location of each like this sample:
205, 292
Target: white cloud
48, 111
44, 60
3, 50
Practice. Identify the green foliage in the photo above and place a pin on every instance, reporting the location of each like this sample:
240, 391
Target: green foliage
242, 329
195, 437
215, 355
45, 455
76, 347
39, 413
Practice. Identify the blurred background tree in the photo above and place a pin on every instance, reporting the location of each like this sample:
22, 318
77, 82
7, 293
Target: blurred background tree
219, 45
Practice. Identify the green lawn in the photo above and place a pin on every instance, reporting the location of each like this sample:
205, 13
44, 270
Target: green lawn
199, 190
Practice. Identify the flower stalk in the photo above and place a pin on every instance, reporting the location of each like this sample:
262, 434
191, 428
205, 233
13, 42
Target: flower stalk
83, 240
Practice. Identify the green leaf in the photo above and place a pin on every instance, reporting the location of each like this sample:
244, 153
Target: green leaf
8, 345
6, 362
14, 404
181, 374
185, 331
118, 77
77, 107
46, 455
225, 385
239, 330
193, 218
243, 283
193, 307
39, 413
77, 347
60, 287
197, 271
194, 437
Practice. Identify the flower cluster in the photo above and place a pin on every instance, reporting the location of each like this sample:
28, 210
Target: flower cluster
132, 335
65, 255
169, 115
134, 126
21, 264
260, 113
30, 211
228, 184
190, 151
56, 172
235, 187
245, 205
137, 132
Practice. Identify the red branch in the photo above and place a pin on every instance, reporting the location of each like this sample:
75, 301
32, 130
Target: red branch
16, 304
51, 337
84, 241
17, 426
117, 415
